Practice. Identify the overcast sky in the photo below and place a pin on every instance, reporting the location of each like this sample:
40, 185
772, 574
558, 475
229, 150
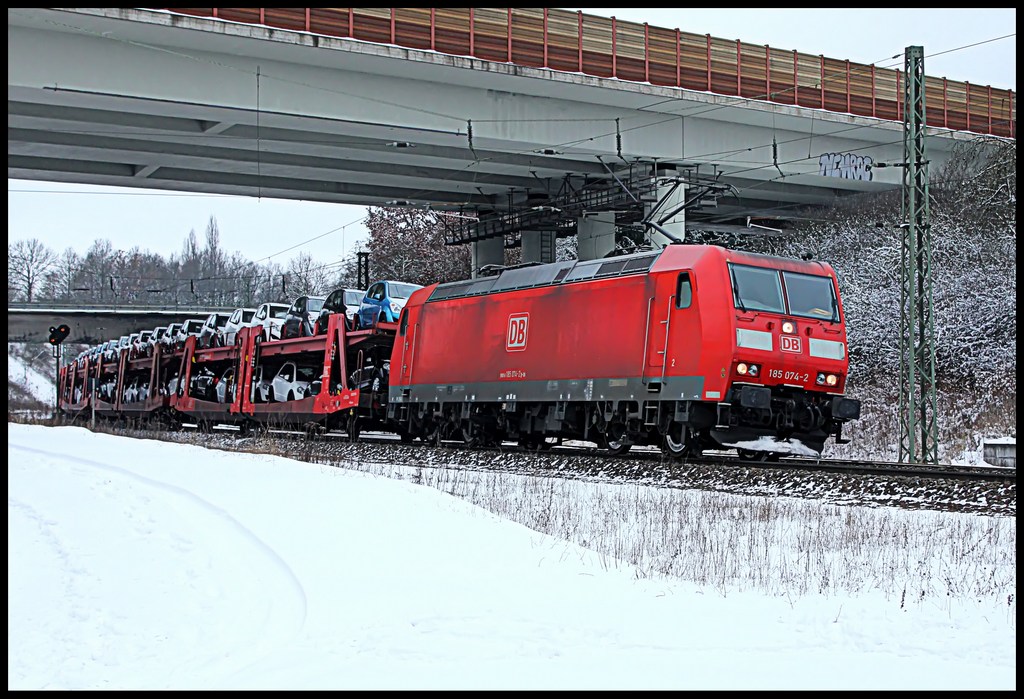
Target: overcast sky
975, 45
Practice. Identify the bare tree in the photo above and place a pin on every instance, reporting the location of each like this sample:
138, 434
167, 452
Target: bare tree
63, 279
409, 245
190, 263
306, 276
29, 261
214, 267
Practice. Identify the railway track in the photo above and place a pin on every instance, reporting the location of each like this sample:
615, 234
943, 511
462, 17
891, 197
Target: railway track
983, 490
726, 459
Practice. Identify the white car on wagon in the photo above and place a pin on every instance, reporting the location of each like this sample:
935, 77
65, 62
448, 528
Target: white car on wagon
291, 382
192, 326
270, 317
240, 318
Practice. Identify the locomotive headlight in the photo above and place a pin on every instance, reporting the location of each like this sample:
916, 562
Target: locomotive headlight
831, 379
820, 379
753, 370
741, 369
788, 327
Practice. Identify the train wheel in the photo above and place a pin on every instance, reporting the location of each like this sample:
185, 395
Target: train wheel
432, 437
352, 428
758, 456
617, 447
678, 441
529, 442
438, 433
471, 437
537, 442
615, 440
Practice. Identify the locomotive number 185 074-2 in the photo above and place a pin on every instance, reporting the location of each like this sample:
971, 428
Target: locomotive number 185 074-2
788, 375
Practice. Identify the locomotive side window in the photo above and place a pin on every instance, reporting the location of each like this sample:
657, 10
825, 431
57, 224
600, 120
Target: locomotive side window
684, 291
811, 296
404, 322
756, 289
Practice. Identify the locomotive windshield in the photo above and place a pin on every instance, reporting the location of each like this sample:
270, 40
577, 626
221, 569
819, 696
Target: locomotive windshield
811, 296
807, 295
756, 289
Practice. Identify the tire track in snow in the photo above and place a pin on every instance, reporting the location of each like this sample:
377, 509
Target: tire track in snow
250, 632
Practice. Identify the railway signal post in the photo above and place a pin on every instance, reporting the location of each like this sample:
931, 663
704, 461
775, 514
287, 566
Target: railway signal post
57, 336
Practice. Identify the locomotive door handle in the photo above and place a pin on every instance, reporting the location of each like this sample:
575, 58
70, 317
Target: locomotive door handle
407, 368
647, 338
668, 324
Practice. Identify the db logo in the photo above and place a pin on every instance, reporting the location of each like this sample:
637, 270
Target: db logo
788, 343
515, 339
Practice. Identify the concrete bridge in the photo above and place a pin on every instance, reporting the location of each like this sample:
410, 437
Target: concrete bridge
31, 322
523, 124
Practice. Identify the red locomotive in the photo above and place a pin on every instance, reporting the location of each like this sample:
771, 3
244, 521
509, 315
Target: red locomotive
690, 347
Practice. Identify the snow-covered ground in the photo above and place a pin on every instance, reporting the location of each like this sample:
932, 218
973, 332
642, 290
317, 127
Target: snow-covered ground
140, 564
38, 384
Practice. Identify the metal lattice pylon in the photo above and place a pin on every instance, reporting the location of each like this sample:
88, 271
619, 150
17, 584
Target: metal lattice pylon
363, 270
917, 405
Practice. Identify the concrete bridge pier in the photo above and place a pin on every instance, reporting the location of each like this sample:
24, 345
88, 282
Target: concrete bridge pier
487, 252
595, 234
675, 225
539, 246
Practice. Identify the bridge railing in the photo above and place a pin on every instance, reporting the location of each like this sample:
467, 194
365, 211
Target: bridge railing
606, 47
44, 306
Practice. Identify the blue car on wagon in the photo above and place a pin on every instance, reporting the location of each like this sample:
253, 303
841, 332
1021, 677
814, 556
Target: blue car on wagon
384, 301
